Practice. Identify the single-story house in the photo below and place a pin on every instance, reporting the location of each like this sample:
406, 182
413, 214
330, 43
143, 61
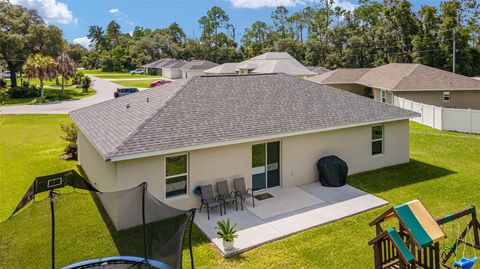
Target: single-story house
269, 128
196, 67
267, 63
173, 69
416, 82
155, 68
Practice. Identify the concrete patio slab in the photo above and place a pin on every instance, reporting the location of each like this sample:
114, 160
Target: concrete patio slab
291, 210
283, 201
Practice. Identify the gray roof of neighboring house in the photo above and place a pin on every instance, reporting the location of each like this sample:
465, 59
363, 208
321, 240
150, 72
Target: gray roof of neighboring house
317, 69
206, 110
199, 65
400, 77
276, 62
158, 63
226, 68
175, 64
270, 62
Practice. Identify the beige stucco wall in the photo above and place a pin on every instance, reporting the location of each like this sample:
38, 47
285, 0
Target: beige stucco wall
171, 73
377, 96
299, 155
102, 175
458, 99
191, 73
353, 88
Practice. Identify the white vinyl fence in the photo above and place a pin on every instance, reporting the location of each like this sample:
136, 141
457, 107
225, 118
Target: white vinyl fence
451, 119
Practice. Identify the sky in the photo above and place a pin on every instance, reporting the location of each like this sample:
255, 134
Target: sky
75, 16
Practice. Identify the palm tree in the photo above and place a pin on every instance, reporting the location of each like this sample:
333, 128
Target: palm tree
65, 66
41, 67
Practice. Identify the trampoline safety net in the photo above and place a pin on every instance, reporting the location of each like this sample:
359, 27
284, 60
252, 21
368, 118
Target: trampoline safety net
145, 232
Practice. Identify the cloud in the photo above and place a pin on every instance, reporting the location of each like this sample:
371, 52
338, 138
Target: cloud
84, 41
344, 4
121, 16
49, 10
265, 3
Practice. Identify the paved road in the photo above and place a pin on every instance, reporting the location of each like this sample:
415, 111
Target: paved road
104, 90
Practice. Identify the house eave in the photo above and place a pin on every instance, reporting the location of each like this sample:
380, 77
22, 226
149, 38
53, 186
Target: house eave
246, 140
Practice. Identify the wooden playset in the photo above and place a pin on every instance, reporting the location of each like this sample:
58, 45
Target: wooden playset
416, 243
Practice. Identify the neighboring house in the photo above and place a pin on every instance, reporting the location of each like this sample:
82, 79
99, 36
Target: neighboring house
196, 67
414, 82
317, 69
270, 62
155, 68
173, 69
195, 131
223, 69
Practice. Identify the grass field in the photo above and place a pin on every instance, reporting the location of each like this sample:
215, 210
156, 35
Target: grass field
52, 95
144, 83
444, 173
117, 75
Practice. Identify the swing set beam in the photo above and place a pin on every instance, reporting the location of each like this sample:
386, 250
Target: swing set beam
473, 225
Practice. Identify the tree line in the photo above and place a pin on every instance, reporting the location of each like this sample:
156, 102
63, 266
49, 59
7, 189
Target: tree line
324, 34
373, 34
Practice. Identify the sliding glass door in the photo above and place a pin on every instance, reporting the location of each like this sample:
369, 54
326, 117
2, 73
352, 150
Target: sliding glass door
265, 165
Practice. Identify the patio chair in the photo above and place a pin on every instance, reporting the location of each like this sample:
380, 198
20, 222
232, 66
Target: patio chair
242, 192
225, 195
209, 200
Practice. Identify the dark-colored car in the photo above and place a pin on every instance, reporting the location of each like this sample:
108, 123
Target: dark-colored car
124, 91
159, 82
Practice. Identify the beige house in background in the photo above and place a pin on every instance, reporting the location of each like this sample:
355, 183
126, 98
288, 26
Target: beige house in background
269, 128
415, 82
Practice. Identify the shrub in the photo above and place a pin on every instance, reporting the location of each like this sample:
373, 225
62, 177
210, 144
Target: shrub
3, 83
86, 82
70, 130
77, 78
3, 96
24, 92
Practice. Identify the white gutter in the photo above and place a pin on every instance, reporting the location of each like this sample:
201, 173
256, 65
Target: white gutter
244, 140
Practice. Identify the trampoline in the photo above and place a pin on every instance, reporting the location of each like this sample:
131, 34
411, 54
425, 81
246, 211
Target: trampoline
151, 232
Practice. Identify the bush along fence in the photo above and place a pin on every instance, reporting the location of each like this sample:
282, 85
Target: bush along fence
441, 118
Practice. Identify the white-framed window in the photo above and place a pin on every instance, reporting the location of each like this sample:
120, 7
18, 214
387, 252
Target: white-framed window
383, 96
52, 183
446, 96
377, 140
176, 175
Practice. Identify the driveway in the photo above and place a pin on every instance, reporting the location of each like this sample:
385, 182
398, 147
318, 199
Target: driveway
104, 88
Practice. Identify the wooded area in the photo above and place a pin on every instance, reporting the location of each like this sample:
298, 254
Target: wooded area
323, 34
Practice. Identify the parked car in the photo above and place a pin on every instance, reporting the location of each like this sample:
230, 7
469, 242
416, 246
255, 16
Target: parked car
124, 91
159, 82
6, 74
137, 72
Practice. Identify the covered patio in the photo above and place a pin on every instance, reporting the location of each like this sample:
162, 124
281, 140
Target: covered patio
290, 210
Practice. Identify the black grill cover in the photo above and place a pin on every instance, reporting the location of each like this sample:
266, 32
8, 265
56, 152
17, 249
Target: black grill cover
332, 171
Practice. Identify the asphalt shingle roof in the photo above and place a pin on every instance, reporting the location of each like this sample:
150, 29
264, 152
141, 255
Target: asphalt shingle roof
203, 110
199, 65
400, 77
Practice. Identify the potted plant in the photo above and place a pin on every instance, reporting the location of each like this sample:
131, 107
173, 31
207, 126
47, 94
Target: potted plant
226, 232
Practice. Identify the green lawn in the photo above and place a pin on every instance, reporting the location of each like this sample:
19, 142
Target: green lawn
36, 81
444, 173
117, 75
144, 83
52, 95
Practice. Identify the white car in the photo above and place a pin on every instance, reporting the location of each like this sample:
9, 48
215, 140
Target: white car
6, 74
136, 72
